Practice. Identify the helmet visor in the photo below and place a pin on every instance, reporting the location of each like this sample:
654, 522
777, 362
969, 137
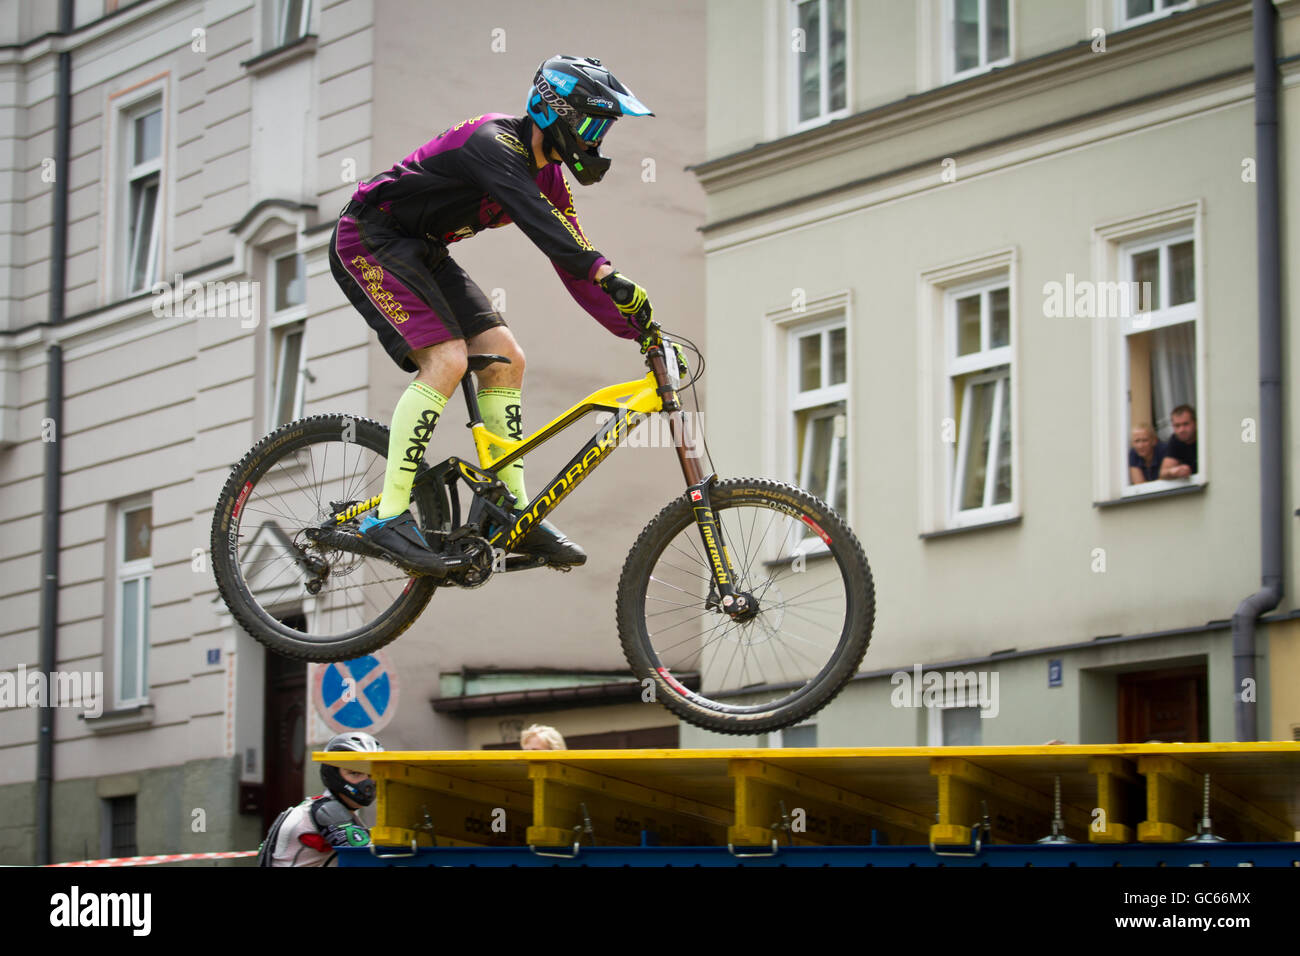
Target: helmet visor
592, 129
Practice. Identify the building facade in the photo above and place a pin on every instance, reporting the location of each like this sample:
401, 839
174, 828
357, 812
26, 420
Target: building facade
972, 245
210, 145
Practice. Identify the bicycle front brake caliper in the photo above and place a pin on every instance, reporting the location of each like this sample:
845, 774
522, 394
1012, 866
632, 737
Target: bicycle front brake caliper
723, 595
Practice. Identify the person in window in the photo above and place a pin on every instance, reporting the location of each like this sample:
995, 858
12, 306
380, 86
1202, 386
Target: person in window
541, 737
1180, 455
1146, 456
389, 255
310, 833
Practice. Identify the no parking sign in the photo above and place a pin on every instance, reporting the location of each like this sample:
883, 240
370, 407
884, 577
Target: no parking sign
360, 694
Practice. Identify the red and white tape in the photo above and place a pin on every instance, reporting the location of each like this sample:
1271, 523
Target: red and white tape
166, 858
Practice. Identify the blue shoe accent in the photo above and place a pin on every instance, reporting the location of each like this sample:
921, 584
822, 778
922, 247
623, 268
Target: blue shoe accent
370, 521
401, 539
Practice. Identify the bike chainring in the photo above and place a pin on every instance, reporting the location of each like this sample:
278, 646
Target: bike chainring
480, 554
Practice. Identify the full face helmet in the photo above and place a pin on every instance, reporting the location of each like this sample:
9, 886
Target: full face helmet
574, 101
363, 794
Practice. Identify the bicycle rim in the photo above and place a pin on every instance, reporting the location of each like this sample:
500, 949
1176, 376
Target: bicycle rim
298, 590
790, 657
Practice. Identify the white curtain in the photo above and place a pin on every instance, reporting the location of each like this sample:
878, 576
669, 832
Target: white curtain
1173, 372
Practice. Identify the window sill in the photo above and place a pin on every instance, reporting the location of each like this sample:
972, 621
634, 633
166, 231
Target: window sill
825, 119
273, 59
974, 71
119, 721
1002, 523
1187, 487
1152, 17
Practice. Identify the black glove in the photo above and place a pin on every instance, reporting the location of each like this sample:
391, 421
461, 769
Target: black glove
630, 299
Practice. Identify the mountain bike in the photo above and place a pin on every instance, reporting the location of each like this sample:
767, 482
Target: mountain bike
747, 603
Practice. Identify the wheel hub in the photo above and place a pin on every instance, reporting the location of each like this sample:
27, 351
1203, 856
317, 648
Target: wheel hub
741, 606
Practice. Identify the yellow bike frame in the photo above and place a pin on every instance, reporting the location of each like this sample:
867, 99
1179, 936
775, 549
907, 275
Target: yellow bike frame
630, 402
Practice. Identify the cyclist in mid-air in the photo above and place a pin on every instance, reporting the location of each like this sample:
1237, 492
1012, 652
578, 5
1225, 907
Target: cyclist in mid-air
389, 254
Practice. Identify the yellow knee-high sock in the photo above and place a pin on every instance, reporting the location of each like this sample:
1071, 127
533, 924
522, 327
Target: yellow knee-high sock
501, 408
413, 420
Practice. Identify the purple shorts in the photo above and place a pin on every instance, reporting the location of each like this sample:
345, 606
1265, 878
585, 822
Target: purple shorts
409, 290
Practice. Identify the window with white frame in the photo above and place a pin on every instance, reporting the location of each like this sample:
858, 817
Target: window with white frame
287, 305
1159, 347
134, 571
291, 21
819, 393
978, 346
980, 32
801, 735
143, 188
1134, 12
289, 289
820, 61
954, 726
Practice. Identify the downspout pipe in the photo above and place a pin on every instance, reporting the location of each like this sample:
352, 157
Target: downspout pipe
52, 497
1268, 244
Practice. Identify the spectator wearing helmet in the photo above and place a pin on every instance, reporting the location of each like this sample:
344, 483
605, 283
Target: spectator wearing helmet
541, 737
309, 834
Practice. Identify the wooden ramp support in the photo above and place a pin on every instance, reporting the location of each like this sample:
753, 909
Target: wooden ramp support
418, 804
899, 796
1119, 800
1016, 813
774, 803
566, 797
1175, 803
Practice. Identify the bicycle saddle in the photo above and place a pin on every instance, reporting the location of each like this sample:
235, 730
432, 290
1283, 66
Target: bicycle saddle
478, 362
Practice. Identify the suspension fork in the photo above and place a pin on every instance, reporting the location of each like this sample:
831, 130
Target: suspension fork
697, 485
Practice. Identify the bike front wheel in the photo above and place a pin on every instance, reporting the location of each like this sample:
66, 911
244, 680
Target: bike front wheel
811, 613
294, 592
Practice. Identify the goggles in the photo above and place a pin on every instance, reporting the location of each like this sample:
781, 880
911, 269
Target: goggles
592, 129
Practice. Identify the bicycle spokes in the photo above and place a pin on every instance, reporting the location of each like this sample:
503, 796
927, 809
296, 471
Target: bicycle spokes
315, 584
775, 623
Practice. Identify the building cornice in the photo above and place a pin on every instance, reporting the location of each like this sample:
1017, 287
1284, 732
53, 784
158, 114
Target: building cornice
943, 104
111, 317
52, 43
979, 159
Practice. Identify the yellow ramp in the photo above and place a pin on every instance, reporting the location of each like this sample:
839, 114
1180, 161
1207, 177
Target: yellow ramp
1119, 793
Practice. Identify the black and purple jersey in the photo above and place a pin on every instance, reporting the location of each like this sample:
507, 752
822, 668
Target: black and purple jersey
479, 174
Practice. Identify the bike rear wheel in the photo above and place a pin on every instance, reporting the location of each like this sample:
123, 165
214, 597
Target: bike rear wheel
297, 596
816, 607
